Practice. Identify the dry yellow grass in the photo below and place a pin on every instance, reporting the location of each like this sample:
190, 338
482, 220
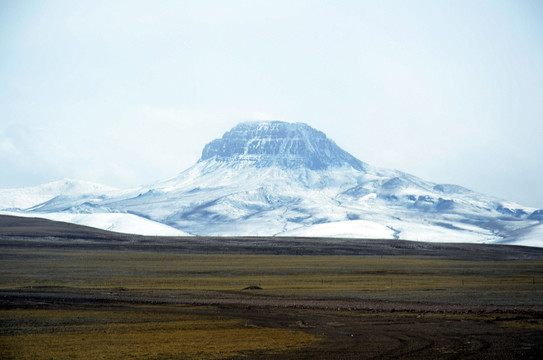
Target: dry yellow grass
137, 333
394, 278
174, 332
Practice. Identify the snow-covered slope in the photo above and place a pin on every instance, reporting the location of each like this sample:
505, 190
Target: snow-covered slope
69, 192
530, 236
122, 223
27, 197
282, 179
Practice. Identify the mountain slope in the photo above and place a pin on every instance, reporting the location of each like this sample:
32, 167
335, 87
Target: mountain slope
116, 222
38, 227
25, 198
74, 201
283, 179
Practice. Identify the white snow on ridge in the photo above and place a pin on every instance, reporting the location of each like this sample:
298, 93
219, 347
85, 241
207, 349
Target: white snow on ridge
344, 229
433, 233
117, 222
532, 236
26, 197
365, 229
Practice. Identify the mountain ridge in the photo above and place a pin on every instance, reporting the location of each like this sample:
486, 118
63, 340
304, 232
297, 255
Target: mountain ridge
283, 179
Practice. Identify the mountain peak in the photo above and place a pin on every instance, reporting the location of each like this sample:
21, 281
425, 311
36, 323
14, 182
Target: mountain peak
279, 143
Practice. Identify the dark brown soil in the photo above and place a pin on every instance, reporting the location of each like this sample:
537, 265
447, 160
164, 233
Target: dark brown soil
32, 232
359, 335
379, 331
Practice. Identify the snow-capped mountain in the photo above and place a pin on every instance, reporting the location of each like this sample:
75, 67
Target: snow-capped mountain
283, 179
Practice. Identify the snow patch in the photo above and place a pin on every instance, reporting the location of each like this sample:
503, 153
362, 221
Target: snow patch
118, 222
344, 229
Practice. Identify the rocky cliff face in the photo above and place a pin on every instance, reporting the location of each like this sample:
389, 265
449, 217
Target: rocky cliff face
278, 143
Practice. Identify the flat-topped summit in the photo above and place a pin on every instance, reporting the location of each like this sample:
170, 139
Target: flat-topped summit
289, 145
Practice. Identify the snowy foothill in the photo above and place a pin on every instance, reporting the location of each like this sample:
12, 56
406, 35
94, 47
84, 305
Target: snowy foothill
117, 222
344, 229
27, 197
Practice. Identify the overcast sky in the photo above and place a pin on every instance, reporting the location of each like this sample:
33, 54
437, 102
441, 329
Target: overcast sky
126, 93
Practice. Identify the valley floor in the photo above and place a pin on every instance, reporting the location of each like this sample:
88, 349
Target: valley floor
87, 299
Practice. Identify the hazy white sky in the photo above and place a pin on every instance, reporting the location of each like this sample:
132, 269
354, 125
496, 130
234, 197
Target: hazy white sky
129, 92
